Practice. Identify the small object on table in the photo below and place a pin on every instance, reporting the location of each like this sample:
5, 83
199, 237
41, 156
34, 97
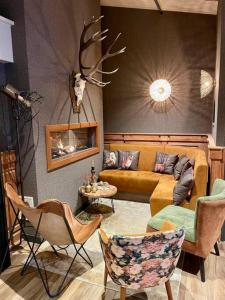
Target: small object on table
88, 188
93, 172
93, 189
105, 191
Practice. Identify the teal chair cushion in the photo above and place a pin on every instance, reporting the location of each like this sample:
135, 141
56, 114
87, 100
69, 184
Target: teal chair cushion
179, 216
218, 189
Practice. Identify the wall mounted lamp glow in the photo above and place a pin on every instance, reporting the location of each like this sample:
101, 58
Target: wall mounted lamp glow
207, 84
160, 90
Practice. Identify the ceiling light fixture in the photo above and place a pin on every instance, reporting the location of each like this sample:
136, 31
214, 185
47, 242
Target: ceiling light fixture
160, 90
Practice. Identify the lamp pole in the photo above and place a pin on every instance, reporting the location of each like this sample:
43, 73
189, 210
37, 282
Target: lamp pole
17, 117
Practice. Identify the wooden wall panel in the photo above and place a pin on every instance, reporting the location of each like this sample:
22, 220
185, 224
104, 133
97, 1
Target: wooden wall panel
8, 166
188, 140
217, 163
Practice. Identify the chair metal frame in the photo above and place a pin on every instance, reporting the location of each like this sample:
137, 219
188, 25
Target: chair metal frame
32, 254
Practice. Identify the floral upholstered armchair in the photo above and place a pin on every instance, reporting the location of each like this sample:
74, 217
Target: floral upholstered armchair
139, 262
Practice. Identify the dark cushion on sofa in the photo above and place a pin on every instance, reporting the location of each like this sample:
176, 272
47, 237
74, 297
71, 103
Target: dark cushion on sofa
182, 190
165, 162
183, 159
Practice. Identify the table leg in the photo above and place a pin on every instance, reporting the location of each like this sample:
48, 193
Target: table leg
112, 203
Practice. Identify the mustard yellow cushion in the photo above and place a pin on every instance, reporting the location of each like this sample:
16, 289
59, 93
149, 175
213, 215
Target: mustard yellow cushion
162, 195
167, 225
131, 181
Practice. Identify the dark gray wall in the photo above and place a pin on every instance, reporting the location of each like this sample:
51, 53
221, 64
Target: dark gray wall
17, 74
46, 43
174, 46
219, 126
3, 142
53, 31
6, 137
3, 146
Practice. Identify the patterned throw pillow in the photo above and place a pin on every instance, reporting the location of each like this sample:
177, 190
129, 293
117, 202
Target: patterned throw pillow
128, 160
165, 162
183, 188
110, 159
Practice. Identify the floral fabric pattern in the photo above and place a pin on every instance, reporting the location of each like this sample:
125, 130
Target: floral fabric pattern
143, 261
110, 159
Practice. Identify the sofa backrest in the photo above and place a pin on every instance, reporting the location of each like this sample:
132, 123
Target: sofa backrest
148, 153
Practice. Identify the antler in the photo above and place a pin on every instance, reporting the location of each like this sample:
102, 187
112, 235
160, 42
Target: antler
96, 37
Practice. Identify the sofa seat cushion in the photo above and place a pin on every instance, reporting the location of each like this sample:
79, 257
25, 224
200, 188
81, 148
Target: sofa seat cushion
132, 181
163, 194
179, 216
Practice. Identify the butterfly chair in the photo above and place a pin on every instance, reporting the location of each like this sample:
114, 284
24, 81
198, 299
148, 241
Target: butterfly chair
55, 222
139, 262
202, 226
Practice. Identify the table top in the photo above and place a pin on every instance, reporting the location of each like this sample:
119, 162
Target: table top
102, 192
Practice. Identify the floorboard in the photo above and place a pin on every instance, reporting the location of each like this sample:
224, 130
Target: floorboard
29, 286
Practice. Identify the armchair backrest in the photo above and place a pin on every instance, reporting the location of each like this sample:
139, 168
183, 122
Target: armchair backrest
142, 261
54, 226
210, 216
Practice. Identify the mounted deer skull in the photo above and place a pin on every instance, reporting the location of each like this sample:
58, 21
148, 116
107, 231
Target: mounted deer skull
77, 81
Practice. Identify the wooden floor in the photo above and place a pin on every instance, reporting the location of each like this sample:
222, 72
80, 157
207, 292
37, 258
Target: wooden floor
15, 287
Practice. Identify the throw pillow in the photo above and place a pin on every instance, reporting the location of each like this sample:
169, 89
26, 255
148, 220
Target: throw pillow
110, 159
189, 164
128, 160
165, 162
183, 159
183, 188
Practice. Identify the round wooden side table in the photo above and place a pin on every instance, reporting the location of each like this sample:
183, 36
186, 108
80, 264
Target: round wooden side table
104, 191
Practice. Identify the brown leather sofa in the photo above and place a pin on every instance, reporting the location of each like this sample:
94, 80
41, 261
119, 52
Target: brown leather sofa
158, 186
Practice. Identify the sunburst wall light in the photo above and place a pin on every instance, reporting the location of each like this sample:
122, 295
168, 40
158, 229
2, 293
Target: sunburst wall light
160, 90
207, 84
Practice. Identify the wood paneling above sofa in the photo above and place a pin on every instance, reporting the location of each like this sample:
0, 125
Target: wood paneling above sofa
188, 140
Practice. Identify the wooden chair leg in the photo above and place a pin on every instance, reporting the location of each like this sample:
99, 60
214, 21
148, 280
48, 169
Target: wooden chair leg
105, 282
216, 249
202, 269
168, 290
122, 293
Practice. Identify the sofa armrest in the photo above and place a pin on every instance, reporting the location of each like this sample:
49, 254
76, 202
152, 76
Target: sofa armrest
200, 179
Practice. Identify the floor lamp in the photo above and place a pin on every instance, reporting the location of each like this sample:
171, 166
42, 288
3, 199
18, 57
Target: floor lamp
21, 108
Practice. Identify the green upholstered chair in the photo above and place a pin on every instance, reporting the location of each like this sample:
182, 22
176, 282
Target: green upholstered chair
202, 226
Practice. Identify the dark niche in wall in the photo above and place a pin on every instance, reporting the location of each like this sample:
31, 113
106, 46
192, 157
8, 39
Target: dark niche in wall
173, 46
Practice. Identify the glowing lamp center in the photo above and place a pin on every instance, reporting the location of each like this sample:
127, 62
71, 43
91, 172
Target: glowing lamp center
160, 90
